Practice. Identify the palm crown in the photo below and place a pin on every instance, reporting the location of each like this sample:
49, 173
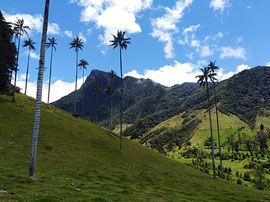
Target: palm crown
112, 74
213, 68
52, 43
120, 40
30, 43
206, 75
20, 28
83, 63
77, 43
109, 90
96, 87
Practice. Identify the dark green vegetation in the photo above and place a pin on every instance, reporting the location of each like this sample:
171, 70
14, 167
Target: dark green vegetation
154, 103
7, 54
79, 161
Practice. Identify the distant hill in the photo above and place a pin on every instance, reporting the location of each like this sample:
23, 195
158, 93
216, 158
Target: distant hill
246, 96
142, 97
79, 161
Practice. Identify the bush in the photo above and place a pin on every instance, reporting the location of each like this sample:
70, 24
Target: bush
239, 181
247, 176
237, 173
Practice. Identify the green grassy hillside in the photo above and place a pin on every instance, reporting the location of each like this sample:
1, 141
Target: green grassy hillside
79, 161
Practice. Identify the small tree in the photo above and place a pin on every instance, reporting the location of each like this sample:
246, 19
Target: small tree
259, 176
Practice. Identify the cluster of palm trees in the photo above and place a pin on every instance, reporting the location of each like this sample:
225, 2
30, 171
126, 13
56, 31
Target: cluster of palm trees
19, 30
209, 76
77, 44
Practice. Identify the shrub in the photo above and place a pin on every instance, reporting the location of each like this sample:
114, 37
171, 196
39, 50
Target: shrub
237, 173
239, 181
247, 176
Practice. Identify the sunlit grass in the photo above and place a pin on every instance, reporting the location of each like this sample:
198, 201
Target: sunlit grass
78, 161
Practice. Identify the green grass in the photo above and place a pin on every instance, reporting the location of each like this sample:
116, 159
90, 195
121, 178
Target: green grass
124, 127
79, 161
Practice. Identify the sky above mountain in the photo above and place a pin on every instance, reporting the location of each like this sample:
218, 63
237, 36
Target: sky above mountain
170, 40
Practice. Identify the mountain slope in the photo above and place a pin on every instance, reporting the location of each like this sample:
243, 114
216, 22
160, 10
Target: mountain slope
78, 160
245, 95
135, 90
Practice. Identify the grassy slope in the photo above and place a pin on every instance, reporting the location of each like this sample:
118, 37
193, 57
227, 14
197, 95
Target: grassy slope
77, 160
227, 123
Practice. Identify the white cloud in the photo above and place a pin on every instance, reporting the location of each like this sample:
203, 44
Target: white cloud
32, 54
219, 5
190, 55
205, 51
165, 27
239, 39
267, 64
202, 63
170, 75
205, 47
229, 52
239, 68
189, 36
59, 88
68, 33
53, 29
82, 37
35, 22
112, 15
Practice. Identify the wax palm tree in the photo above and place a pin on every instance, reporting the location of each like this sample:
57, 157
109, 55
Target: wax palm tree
97, 89
31, 46
206, 77
213, 68
39, 92
109, 90
19, 29
121, 41
77, 44
83, 63
51, 44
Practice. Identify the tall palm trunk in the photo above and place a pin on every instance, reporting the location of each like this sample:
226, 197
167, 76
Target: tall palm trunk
26, 78
74, 111
121, 103
96, 105
219, 145
211, 129
111, 112
49, 89
16, 69
82, 93
39, 93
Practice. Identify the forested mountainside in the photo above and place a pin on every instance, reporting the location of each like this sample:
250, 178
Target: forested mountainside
245, 95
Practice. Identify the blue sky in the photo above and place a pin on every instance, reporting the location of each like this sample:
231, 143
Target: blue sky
170, 40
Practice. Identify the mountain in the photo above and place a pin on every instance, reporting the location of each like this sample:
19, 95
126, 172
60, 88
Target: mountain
141, 98
243, 101
147, 104
80, 161
135, 90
